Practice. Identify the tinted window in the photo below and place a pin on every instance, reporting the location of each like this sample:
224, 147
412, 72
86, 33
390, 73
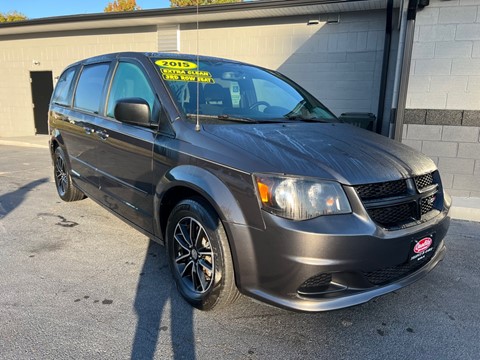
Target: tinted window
63, 94
90, 86
129, 82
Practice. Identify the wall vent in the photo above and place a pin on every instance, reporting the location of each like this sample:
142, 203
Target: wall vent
168, 38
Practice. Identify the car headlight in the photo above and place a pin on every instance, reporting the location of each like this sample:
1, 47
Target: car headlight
298, 198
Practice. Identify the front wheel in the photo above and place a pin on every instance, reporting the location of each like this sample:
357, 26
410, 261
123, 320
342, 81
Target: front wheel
199, 256
65, 188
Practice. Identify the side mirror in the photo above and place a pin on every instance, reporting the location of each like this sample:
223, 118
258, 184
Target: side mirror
134, 111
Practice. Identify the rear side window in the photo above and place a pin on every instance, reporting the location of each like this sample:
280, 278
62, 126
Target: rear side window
90, 87
63, 90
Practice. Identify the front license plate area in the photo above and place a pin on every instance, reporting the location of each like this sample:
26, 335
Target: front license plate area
422, 249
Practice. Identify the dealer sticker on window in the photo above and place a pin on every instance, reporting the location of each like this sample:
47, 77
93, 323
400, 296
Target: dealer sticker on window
180, 70
176, 64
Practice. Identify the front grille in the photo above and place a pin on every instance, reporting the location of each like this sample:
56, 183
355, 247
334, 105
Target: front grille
380, 190
426, 204
316, 283
423, 181
400, 203
384, 276
392, 215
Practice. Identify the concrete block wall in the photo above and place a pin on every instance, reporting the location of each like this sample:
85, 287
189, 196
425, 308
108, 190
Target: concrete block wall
340, 63
452, 139
53, 52
445, 69
442, 118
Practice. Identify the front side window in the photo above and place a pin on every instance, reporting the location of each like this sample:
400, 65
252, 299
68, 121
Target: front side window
63, 94
130, 82
229, 91
88, 95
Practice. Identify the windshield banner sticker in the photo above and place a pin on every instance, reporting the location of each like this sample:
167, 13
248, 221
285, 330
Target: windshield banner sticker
187, 75
176, 64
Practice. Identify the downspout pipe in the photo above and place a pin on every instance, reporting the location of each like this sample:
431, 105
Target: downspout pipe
404, 61
385, 66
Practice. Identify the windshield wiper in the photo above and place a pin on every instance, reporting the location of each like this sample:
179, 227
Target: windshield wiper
304, 119
225, 117
249, 120
235, 118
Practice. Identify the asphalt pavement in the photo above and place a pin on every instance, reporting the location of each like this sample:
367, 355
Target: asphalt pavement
76, 282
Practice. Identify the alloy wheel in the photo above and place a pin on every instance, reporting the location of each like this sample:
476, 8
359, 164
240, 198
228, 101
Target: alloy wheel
61, 176
193, 255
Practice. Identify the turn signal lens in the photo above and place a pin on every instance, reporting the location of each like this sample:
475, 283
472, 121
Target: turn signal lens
330, 202
263, 191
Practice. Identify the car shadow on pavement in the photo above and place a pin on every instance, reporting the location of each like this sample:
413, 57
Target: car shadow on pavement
10, 201
155, 294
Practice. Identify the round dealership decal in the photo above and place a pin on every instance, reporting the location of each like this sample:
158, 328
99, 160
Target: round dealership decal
423, 245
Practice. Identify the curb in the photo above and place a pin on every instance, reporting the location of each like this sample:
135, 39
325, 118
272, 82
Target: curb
465, 209
22, 144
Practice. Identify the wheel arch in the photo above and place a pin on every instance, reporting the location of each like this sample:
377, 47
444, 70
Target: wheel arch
188, 181
56, 140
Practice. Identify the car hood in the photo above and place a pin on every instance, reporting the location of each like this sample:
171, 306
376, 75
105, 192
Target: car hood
326, 150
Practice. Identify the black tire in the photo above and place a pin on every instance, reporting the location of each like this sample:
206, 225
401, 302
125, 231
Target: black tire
202, 268
63, 181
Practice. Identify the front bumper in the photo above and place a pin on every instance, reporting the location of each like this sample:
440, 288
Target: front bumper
273, 264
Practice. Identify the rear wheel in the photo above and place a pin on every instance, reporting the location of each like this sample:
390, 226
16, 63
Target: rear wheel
65, 188
199, 256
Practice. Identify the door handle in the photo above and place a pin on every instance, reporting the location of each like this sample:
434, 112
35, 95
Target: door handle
102, 134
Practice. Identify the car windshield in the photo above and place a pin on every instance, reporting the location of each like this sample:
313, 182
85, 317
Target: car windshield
222, 91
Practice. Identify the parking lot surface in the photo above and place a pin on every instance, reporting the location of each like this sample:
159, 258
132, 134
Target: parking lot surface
76, 282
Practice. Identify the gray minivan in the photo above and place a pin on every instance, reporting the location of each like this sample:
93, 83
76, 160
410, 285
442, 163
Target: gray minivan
252, 184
